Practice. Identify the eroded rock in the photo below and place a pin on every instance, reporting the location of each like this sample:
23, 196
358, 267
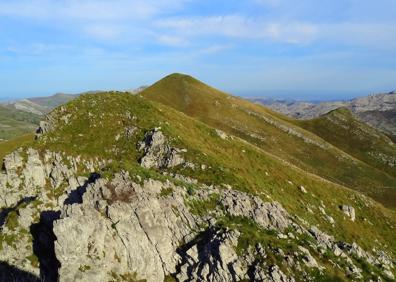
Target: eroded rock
157, 152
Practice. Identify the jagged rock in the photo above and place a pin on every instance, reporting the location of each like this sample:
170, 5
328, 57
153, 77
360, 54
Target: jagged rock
308, 259
122, 220
97, 228
276, 275
268, 215
324, 240
349, 211
157, 153
213, 258
34, 173
12, 162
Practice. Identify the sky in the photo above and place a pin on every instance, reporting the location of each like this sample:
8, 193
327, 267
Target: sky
289, 49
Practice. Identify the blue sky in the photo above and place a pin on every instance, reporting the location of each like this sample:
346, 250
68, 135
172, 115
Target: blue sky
301, 49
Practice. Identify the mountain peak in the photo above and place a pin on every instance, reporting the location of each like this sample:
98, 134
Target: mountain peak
184, 93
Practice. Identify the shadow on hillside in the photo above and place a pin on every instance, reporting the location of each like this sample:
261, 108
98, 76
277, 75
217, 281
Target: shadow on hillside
9, 273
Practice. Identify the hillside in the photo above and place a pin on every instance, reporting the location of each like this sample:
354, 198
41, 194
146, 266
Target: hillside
377, 110
15, 123
273, 133
118, 187
363, 141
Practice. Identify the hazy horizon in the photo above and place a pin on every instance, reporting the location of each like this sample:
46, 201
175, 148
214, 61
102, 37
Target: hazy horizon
306, 96
310, 50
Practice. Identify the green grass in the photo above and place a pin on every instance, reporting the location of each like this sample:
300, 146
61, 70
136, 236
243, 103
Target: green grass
361, 140
7, 147
203, 207
343, 130
97, 119
242, 162
273, 133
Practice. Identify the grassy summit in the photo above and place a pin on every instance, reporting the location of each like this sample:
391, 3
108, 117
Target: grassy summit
275, 134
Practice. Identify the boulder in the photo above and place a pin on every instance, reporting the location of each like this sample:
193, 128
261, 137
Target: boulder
349, 211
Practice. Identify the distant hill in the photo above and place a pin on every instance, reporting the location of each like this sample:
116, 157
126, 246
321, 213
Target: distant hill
15, 122
22, 116
378, 110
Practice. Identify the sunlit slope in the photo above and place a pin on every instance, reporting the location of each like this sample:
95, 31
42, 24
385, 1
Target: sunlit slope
270, 132
15, 123
89, 126
343, 130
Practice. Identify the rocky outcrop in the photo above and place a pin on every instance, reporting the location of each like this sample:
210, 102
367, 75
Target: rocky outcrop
143, 230
32, 187
267, 215
57, 224
157, 152
348, 211
212, 257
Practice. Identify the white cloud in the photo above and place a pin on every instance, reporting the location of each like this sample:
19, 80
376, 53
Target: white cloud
241, 27
143, 21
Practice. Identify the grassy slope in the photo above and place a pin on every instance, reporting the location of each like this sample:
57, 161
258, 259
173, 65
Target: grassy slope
14, 123
7, 147
97, 119
271, 132
363, 142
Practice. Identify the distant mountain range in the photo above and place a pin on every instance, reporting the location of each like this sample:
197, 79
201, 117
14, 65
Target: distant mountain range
378, 110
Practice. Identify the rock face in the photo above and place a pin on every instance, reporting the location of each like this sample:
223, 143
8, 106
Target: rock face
143, 230
122, 221
59, 225
267, 215
157, 152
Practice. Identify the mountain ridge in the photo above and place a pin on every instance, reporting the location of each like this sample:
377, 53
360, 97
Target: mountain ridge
267, 130
378, 110
121, 187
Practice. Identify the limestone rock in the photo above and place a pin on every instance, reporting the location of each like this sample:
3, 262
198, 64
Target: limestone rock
349, 211
212, 258
157, 152
268, 215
